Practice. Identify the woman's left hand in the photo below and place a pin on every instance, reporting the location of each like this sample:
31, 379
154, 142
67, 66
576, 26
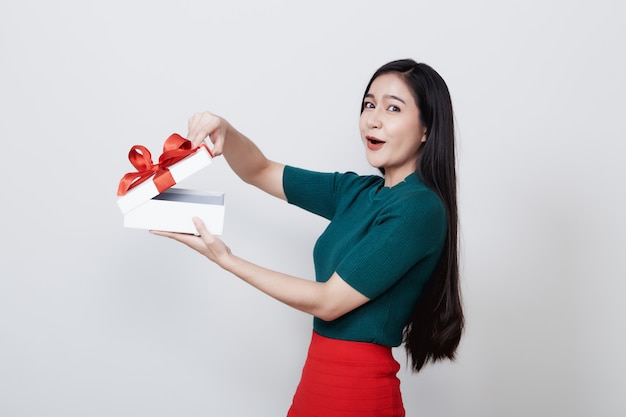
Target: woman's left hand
326, 300
206, 244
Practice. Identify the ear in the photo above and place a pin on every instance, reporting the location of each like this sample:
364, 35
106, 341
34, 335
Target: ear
424, 137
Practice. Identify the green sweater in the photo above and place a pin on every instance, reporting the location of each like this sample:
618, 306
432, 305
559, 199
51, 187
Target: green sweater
384, 242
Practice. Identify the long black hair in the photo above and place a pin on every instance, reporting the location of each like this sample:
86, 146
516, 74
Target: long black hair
434, 330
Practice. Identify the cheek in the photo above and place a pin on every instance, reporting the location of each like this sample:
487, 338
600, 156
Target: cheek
362, 125
413, 131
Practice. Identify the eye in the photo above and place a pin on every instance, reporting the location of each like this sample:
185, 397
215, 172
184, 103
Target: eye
368, 105
393, 108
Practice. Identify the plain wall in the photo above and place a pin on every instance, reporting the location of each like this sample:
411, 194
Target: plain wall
98, 320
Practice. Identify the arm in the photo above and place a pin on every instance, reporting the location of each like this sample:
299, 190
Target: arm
243, 156
326, 300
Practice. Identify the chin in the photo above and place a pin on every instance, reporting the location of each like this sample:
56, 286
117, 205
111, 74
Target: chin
375, 163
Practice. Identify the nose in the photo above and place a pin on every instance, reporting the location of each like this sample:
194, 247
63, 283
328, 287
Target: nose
373, 121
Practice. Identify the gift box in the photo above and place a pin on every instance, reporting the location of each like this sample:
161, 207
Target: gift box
148, 199
173, 209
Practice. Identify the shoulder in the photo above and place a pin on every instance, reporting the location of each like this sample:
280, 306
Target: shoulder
341, 181
351, 179
423, 197
417, 204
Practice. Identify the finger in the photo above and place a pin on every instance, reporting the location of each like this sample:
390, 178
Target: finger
204, 233
218, 145
161, 233
193, 121
188, 239
168, 234
201, 125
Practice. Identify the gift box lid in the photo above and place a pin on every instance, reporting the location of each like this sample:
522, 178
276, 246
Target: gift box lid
177, 162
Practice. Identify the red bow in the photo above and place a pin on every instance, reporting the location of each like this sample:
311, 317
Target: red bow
175, 149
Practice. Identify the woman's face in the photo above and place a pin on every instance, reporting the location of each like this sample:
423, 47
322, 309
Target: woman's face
390, 127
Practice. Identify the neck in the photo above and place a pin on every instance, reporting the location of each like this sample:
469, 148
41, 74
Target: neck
395, 177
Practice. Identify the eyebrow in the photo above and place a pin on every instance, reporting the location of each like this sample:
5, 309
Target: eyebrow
391, 96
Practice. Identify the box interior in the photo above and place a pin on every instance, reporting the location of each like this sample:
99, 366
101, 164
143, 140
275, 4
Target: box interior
191, 196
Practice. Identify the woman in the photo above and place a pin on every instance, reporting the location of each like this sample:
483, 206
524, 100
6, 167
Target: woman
387, 264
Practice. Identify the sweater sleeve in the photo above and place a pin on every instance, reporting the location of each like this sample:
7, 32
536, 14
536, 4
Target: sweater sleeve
404, 236
313, 191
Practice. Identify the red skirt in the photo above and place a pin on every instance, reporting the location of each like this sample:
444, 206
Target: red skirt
348, 379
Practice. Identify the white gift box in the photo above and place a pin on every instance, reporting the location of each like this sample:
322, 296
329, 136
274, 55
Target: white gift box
172, 210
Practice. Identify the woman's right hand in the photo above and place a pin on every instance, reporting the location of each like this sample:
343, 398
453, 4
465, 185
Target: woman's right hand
242, 155
205, 124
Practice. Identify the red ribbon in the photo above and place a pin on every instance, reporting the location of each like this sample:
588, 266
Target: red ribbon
175, 149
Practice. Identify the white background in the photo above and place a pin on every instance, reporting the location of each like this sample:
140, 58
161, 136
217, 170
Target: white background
98, 320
